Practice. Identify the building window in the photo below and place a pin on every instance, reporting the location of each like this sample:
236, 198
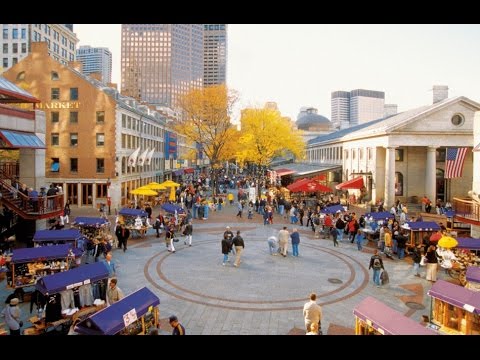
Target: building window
24, 48
398, 184
124, 120
55, 116
5, 62
73, 165
346, 154
5, 33
5, 48
21, 76
100, 165
54, 76
398, 154
369, 153
14, 61
55, 140
353, 154
100, 139
24, 34
14, 48
458, 119
74, 117
100, 116
73, 93
15, 34
102, 191
440, 154
360, 154
73, 139
55, 167
55, 94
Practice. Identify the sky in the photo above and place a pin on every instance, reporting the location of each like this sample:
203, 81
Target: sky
301, 65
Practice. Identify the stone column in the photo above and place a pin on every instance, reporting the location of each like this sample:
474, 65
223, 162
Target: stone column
389, 197
431, 174
79, 194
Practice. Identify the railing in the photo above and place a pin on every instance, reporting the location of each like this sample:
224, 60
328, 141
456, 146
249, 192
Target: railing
467, 209
41, 207
9, 170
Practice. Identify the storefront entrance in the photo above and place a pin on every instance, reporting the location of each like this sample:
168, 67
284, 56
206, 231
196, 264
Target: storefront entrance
441, 185
87, 192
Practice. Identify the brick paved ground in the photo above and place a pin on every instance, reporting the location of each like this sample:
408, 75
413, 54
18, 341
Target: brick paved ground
265, 294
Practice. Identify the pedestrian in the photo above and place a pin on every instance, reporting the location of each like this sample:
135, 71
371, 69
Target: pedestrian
188, 233
376, 264
122, 234
12, 315
239, 247
240, 209
283, 236
295, 236
417, 257
359, 239
169, 236
178, 328
273, 245
228, 234
312, 312
225, 250
334, 233
114, 293
432, 264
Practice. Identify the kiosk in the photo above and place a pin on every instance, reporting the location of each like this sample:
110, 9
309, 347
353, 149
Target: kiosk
49, 237
79, 280
454, 309
135, 220
418, 229
473, 278
135, 314
333, 209
29, 264
372, 317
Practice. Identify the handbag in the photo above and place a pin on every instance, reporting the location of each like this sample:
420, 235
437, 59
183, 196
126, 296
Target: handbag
423, 261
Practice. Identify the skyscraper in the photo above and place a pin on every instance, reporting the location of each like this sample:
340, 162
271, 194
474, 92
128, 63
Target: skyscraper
161, 61
356, 107
17, 38
215, 54
96, 60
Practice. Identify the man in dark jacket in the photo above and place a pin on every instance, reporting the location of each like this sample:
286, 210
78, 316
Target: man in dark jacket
239, 246
295, 236
122, 234
376, 264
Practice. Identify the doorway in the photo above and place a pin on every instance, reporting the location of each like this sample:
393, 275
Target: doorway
440, 180
87, 192
72, 193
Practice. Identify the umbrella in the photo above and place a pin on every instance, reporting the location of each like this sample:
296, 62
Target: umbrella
171, 197
170, 183
447, 242
435, 237
144, 191
155, 186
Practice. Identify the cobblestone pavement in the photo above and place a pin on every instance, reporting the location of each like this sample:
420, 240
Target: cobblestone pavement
265, 294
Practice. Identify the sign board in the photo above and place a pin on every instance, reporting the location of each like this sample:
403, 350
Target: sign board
130, 317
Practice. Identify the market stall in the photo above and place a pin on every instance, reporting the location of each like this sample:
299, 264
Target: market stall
372, 317
92, 227
80, 284
473, 278
455, 310
29, 264
469, 244
333, 209
175, 216
73, 237
135, 220
418, 229
135, 314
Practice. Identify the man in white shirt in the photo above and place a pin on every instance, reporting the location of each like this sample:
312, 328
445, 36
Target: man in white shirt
283, 236
312, 312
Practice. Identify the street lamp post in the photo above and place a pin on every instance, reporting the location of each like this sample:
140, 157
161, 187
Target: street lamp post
109, 199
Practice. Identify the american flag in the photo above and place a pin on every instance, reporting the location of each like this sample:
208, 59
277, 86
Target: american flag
454, 162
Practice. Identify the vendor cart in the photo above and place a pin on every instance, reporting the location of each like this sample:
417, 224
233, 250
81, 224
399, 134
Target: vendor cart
73, 237
473, 278
135, 314
135, 220
372, 317
454, 309
418, 229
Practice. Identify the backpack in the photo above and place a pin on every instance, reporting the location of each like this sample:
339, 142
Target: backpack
377, 264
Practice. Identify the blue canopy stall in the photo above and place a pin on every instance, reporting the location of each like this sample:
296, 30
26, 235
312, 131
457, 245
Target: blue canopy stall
473, 278
455, 309
377, 216
90, 221
418, 229
170, 208
47, 237
132, 315
468, 243
93, 228
133, 212
82, 275
374, 317
332, 209
29, 264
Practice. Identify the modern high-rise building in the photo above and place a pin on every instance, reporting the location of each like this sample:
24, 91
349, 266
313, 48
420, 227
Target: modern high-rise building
215, 54
17, 38
96, 60
161, 61
356, 107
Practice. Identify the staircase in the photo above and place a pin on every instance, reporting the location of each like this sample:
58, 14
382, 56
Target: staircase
46, 207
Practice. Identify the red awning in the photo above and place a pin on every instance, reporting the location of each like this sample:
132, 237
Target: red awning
356, 183
311, 186
281, 172
321, 177
297, 183
188, 171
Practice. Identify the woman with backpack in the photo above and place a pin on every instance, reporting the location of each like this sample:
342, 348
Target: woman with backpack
376, 264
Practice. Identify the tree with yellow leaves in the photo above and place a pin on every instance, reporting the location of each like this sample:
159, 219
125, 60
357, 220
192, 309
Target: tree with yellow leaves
265, 135
206, 121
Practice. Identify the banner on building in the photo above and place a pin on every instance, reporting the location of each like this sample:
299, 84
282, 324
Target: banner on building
170, 146
132, 159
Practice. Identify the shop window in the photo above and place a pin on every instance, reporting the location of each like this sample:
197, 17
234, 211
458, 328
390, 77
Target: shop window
55, 167
74, 165
398, 154
101, 190
398, 184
